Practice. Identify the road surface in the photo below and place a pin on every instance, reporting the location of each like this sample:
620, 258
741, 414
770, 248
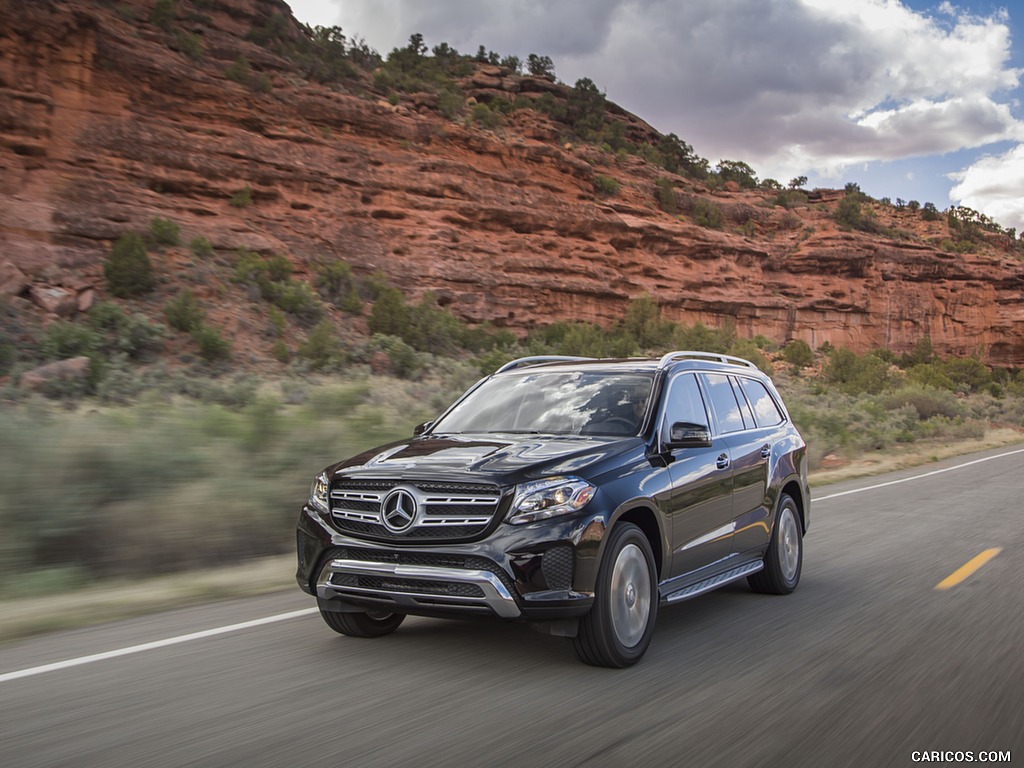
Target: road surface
865, 664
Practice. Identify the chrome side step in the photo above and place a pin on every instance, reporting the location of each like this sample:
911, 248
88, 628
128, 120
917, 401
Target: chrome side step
713, 583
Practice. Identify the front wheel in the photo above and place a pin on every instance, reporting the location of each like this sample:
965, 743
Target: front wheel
784, 559
618, 628
369, 624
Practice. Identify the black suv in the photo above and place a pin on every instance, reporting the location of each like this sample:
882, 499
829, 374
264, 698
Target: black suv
573, 493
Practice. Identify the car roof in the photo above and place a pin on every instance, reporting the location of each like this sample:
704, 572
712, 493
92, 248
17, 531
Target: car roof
685, 360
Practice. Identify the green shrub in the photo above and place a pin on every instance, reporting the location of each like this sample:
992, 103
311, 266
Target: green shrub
277, 322
212, 345
201, 247
666, 195
644, 324
857, 374
968, 374
299, 300
63, 339
239, 70
242, 198
190, 44
164, 232
337, 284
405, 362
128, 270
606, 186
183, 313
120, 384
708, 214
485, 117
321, 348
849, 213
279, 351
138, 338
703, 339
134, 336
163, 14
929, 375
798, 353
272, 276
390, 315
450, 103
926, 401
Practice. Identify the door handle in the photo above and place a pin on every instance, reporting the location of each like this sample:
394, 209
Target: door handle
766, 451
723, 462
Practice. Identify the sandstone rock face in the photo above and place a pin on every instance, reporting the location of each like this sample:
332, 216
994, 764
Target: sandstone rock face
105, 125
57, 301
72, 369
12, 280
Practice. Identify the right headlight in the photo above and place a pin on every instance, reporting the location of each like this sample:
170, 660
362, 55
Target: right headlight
319, 492
550, 497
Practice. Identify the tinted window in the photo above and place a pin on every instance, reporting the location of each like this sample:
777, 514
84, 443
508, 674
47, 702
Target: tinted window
684, 402
571, 403
723, 400
748, 415
766, 411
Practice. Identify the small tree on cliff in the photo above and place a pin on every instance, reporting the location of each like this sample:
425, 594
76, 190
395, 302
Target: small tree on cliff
540, 66
128, 269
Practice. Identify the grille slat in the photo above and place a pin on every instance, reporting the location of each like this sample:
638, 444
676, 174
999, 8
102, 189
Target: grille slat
444, 510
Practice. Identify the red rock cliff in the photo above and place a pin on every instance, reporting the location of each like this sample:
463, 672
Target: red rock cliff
104, 125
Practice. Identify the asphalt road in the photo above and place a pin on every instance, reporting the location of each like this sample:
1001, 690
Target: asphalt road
865, 664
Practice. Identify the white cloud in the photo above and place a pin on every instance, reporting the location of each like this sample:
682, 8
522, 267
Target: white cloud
792, 87
994, 185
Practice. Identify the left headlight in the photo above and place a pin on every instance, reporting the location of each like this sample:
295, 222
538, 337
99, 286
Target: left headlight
551, 497
318, 493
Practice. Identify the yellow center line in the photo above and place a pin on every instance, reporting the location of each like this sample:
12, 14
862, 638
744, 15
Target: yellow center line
968, 568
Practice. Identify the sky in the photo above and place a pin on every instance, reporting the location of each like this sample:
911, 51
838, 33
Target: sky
913, 100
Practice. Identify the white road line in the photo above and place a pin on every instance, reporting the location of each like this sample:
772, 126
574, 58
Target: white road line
916, 477
150, 646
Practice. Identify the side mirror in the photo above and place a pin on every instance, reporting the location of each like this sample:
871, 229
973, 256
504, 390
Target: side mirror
419, 429
683, 434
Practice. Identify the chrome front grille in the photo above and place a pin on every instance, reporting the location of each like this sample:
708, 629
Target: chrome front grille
437, 510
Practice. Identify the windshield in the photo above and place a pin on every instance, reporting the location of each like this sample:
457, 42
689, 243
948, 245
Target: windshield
561, 403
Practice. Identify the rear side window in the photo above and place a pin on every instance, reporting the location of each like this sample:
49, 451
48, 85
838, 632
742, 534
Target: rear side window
723, 400
766, 410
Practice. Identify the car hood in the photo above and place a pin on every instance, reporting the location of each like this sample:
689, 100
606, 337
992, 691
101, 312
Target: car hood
500, 458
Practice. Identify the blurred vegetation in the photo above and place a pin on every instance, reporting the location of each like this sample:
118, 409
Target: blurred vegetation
165, 468
197, 474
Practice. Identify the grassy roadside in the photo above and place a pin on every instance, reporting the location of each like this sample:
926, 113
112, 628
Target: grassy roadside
113, 601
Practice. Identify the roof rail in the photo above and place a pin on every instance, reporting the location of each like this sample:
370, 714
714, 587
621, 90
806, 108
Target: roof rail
522, 362
727, 359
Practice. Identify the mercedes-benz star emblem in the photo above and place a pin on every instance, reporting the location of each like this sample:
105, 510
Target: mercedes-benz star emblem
398, 510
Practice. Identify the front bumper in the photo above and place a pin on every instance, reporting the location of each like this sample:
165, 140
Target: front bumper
536, 572
416, 587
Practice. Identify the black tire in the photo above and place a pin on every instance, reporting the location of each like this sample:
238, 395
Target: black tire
784, 559
370, 624
619, 627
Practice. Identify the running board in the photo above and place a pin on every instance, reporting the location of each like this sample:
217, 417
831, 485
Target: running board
713, 583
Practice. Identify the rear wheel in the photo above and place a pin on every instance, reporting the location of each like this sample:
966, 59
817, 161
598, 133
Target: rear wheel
369, 624
618, 628
784, 559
